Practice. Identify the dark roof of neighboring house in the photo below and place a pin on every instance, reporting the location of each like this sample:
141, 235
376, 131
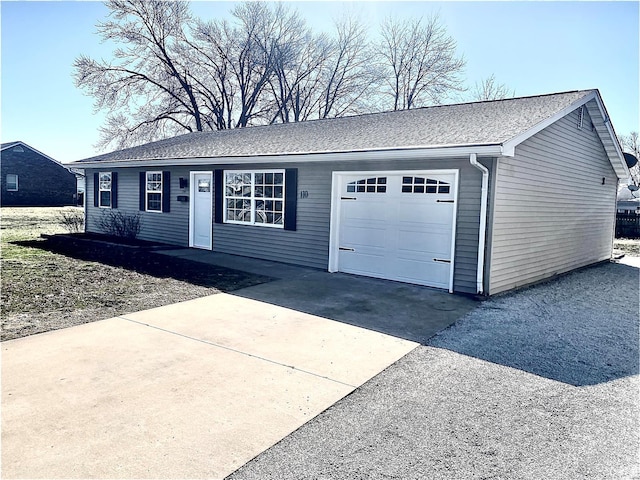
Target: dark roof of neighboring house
9, 144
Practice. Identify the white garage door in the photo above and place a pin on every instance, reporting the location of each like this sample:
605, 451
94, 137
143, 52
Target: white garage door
396, 225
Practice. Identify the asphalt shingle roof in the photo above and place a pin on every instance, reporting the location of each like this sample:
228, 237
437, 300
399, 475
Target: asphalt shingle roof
466, 124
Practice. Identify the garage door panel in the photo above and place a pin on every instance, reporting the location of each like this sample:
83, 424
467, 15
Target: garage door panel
400, 232
363, 211
374, 264
433, 244
424, 273
359, 236
425, 212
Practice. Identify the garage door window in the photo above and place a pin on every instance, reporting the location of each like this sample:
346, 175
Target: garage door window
424, 185
368, 185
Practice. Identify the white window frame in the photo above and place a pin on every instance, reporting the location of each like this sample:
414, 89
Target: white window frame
253, 198
16, 182
100, 189
147, 191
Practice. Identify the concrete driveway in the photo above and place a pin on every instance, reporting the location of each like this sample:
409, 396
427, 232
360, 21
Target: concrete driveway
191, 390
199, 388
542, 383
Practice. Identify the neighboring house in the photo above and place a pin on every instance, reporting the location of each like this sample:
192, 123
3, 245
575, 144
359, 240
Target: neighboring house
32, 179
472, 198
81, 182
628, 201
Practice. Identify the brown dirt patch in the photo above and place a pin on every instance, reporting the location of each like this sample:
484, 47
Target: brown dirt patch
57, 283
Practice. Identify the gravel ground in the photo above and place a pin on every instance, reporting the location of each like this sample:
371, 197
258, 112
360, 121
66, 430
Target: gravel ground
541, 383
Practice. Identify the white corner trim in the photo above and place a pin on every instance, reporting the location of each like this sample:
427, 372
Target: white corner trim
334, 222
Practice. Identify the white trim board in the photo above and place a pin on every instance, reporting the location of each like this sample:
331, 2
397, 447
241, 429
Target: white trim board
192, 187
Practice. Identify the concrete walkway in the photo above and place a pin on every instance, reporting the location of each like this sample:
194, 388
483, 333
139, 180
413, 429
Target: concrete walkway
191, 390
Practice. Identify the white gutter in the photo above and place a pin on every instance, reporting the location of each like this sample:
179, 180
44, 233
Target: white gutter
473, 159
382, 154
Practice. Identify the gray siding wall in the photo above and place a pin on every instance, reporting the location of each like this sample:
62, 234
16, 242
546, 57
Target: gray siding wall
551, 212
309, 244
171, 227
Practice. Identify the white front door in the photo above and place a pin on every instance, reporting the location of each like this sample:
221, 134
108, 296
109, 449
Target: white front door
200, 218
396, 225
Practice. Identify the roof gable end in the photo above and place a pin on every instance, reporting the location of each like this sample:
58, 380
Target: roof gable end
601, 122
9, 145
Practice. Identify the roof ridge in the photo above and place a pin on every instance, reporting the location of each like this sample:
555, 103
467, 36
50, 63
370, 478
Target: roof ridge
385, 112
393, 128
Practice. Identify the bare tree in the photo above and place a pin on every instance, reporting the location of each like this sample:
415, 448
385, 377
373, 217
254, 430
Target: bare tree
490, 89
173, 73
237, 60
351, 73
298, 78
327, 76
420, 62
147, 90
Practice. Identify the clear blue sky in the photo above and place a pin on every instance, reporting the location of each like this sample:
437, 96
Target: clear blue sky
533, 47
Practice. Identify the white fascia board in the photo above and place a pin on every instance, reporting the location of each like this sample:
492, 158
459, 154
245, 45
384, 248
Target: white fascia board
9, 145
389, 154
510, 145
622, 171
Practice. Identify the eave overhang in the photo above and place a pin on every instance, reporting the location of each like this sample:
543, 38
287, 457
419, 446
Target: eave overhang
602, 125
395, 154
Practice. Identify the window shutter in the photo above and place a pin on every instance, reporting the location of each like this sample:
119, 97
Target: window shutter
114, 189
218, 192
290, 198
166, 191
143, 183
96, 189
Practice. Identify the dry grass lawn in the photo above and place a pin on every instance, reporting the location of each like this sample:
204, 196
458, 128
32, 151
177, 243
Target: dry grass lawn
628, 246
44, 290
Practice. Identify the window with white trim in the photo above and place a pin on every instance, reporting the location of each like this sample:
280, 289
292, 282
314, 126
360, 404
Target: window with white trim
12, 182
104, 189
254, 197
153, 192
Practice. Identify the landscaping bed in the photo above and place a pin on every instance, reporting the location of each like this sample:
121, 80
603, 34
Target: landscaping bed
65, 280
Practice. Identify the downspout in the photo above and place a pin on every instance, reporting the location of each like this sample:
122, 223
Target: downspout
473, 159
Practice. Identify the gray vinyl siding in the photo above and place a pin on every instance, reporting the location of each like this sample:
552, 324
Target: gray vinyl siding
551, 212
171, 227
309, 244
